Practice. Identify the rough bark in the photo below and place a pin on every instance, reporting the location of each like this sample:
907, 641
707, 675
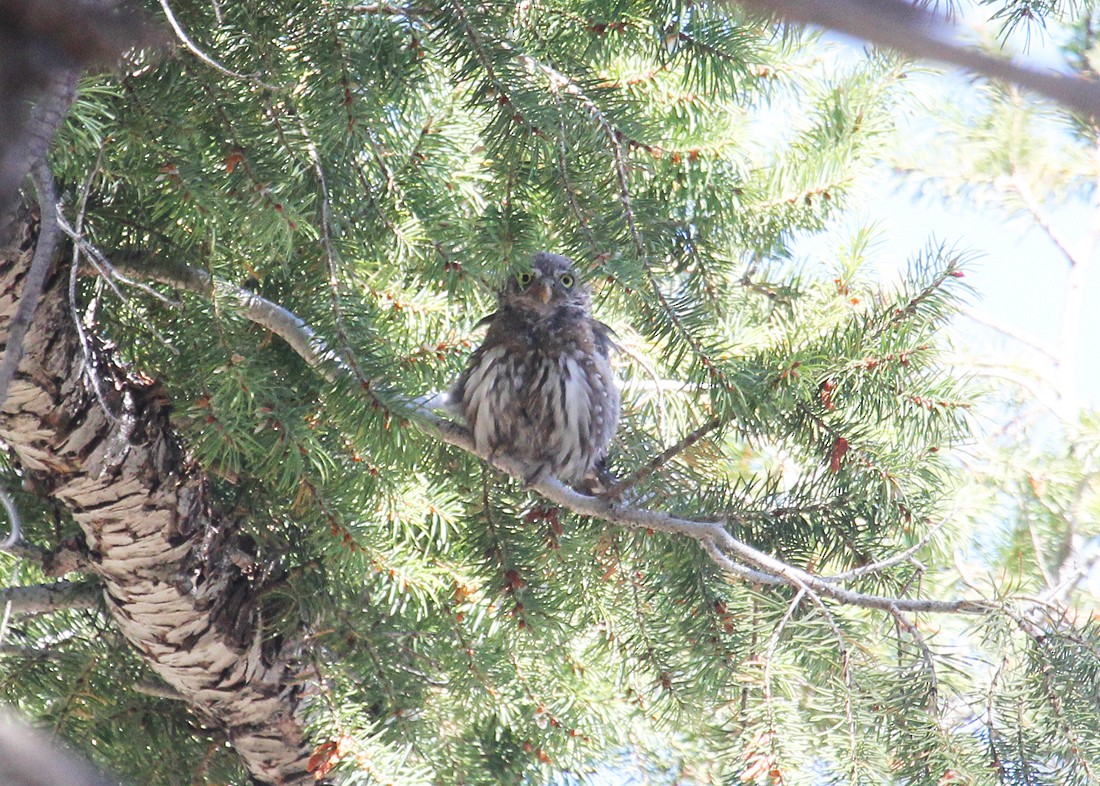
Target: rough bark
155, 541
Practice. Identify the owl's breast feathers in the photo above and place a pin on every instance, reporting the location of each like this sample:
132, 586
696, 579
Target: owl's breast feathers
541, 388
568, 329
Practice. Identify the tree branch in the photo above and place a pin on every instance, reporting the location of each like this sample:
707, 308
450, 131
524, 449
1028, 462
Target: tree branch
48, 598
658, 461
280, 321
193, 48
914, 31
29, 757
32, 285
729, 553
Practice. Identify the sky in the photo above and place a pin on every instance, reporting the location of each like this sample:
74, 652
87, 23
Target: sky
1017, 272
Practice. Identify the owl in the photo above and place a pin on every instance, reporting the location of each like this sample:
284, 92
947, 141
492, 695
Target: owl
540, 387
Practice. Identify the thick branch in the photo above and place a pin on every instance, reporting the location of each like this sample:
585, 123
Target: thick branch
32, 286
908, 28
44, 44
29, 757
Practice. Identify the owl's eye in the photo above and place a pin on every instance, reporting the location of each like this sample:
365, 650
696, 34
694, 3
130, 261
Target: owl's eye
567, 280
524, 278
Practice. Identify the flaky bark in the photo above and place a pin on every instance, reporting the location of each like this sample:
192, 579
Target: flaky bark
164, 555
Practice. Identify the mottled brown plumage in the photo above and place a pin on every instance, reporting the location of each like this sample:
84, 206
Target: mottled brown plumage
540, 387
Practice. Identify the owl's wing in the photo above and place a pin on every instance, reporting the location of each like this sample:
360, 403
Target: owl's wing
604, 337
486, 320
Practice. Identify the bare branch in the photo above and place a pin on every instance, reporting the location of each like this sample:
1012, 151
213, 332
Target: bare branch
193, 48
48, 598
1011, 331
748, 574
36, 277
16, 528
876, 567
1018, 185
658, 461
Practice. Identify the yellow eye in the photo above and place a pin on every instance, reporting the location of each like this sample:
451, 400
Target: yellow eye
524, 279
567, 280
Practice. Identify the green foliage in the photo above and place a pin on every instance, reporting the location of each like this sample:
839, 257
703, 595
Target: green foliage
376, 169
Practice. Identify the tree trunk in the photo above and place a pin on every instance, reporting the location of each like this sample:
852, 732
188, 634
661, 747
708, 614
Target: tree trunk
164, 555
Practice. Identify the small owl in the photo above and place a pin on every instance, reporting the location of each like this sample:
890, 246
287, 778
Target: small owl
540, 387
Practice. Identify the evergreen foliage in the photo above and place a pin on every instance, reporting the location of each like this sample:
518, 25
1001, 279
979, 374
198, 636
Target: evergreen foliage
376, 169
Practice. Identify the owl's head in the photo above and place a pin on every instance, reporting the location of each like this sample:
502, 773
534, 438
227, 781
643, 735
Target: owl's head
549, 283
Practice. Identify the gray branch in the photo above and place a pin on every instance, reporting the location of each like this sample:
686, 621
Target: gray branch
32, 284
910, 29
48, 598
280, 321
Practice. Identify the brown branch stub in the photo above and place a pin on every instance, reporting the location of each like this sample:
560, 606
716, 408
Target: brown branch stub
157, 545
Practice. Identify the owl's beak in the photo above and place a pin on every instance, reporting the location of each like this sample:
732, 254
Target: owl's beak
543, 291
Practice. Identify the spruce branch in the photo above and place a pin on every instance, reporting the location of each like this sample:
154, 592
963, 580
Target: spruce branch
701, 531
476, 41
15, 525
769, 653
561, 83
159, 690
74, 271
658, 461
331, 260
194, 49
906, 624
280, 321
728, 552
567, 185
